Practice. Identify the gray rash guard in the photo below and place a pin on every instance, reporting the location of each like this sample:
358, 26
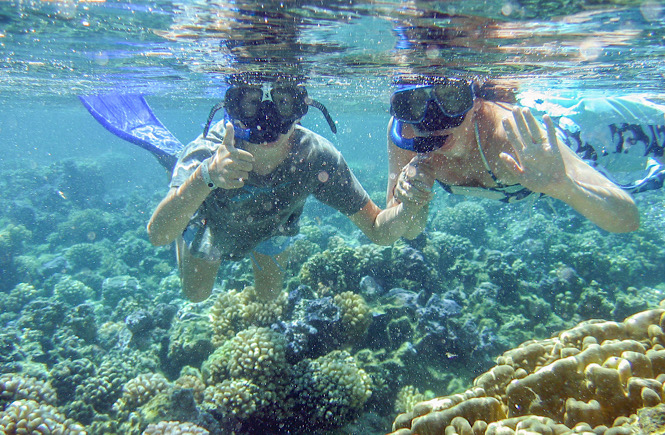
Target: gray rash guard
231, 223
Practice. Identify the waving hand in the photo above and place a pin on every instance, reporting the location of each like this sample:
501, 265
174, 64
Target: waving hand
536, 158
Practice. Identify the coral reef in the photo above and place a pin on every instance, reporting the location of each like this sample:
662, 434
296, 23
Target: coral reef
592, 377
30, 417
356, 316
174, 428
15, 386
139, 390
234, 311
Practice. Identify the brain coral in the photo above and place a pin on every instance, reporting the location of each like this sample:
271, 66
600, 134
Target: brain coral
592, 378
30, 417
234, 311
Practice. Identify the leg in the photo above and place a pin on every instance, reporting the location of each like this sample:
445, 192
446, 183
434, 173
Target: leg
268, 276
197, 275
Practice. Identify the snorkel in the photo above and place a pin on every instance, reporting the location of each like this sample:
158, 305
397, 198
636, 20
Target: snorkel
261, 113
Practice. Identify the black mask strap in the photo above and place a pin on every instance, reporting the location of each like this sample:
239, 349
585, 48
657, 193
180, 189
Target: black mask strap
211, 116
325, 112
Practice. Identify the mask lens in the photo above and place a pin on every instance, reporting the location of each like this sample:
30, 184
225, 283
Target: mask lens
454, 97
285, 100
243, 102
410, 105
250, 100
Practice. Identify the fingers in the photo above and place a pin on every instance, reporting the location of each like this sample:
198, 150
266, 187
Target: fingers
527, 126
229, 138
552, 138
511, 163
535, 132
511, 134
406, 192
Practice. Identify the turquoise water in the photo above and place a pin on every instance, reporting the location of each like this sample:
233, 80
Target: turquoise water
77, 274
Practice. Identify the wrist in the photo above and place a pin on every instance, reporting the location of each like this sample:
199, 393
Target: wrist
204, 170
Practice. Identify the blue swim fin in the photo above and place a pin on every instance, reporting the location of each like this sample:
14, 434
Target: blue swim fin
129, 117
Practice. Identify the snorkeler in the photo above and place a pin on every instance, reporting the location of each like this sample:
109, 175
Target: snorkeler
239, 189
474, 140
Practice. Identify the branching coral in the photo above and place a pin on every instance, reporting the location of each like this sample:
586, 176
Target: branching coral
596, 376
236, 400
234, 311
258, 354
140, 390
356, 316
330, 389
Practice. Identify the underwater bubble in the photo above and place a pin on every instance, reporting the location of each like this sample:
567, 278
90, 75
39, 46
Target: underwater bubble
508, 9
432, 53
101, 58
652, 10
590, 50
323, 176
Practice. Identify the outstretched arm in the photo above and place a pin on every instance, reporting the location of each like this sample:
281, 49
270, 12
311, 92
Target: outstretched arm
542, 164
384, 227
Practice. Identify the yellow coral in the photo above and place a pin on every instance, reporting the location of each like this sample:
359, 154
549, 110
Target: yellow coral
356, 315
258, 354
174, 428
234, 311
30, 417
236, 399
343, 381
14, 386
408, 396
192, 382
140, 390
591, 377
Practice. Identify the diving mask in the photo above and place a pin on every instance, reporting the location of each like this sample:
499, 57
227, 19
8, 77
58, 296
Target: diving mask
266, 111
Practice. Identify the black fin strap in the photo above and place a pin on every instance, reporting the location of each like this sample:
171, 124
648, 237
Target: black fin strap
214, 110
326, 114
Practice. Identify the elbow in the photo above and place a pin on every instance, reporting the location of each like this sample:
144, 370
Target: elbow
627, 224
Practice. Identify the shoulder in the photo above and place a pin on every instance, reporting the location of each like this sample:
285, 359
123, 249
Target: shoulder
313, 146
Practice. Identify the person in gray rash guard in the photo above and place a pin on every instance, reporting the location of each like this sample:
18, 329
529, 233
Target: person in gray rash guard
239, 189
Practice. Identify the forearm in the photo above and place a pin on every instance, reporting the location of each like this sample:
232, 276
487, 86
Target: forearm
174, 212
606, 205
416, 224
384, 227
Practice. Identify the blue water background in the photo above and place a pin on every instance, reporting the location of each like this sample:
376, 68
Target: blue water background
51, 53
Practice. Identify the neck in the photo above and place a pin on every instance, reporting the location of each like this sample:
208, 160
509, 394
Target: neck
268, 157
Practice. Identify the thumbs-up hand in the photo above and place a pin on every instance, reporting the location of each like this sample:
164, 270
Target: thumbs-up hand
230, 166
